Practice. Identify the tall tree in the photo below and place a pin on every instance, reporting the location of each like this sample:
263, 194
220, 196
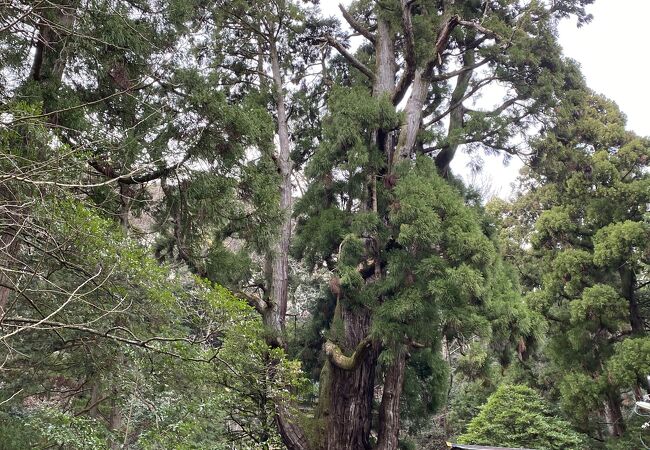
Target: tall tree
220, 105
581, 220
404, 252
101, 113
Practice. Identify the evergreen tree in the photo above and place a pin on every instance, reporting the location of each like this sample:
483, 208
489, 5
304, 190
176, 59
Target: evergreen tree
516, 416
182, 129
109, 105
408, 262
580, 232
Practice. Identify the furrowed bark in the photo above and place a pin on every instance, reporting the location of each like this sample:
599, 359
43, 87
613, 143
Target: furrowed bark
292, 434
347, 392
385, 66
389, 415
345, 403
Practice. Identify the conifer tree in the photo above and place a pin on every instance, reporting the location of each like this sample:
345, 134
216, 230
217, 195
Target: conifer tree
108, 105
516, 416
219, 106
580, 232
408, 262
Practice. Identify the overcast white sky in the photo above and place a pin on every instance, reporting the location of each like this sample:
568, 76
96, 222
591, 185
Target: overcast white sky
611, 51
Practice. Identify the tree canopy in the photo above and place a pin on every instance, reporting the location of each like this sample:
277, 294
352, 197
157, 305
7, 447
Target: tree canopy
234, 224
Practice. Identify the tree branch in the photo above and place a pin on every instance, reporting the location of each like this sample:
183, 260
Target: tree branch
107, 334
338, 358
443, 37
448, 75
356, 25
253, 300
349, 56
109, 171
480, 28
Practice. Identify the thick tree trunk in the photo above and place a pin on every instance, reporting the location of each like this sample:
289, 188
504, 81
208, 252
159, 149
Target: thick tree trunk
412, 117
385, 55
389, 416
347, 383
347, 387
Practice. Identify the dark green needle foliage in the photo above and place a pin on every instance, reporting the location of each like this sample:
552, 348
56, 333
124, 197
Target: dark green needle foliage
586, 200
154, 154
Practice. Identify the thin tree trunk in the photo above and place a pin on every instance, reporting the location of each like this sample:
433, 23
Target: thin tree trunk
275, 317
444, 158
9, 244
628, 281
115, 421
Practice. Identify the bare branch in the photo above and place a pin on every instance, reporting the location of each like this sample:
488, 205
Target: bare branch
349, 56
356, 25
142, 343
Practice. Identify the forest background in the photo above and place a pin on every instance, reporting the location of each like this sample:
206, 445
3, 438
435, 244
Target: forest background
238, 225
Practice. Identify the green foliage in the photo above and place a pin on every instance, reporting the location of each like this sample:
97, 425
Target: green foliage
517, 416
139, 182
630, 363
582, 232
42, 426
